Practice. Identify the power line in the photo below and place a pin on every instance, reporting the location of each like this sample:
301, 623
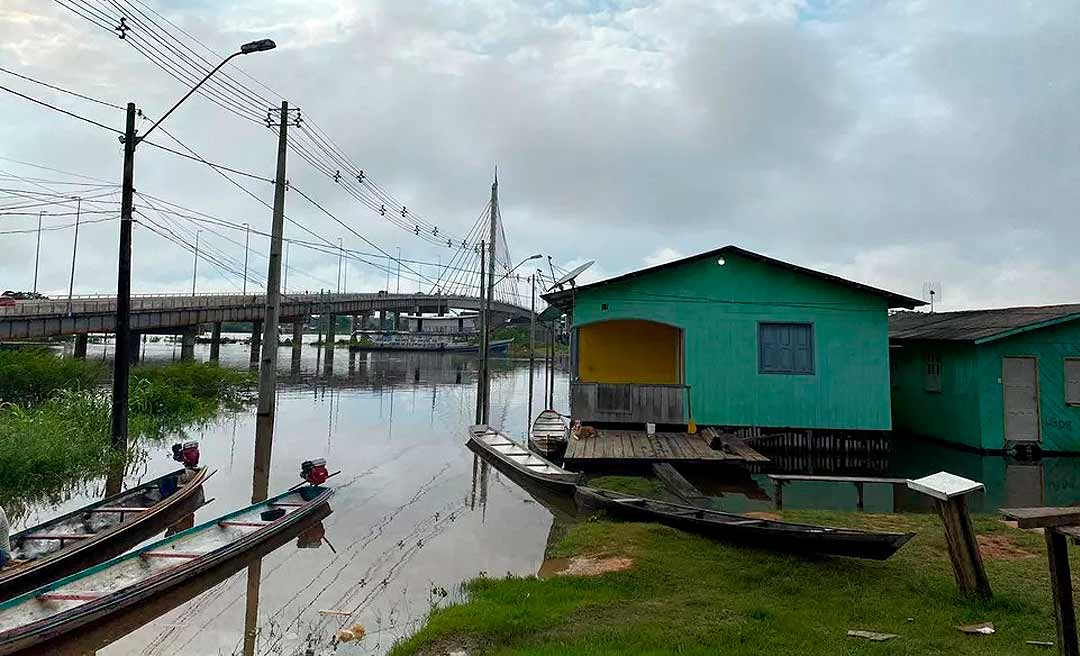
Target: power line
61, 89
61, 110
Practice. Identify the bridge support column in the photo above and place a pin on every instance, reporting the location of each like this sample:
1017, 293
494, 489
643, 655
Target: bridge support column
397, 321
187, 343
215, 342
81, 341
256, 342
382, 319
331, 337
136, 347
297, 337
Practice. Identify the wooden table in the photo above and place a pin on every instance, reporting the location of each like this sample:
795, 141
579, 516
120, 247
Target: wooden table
1058, 524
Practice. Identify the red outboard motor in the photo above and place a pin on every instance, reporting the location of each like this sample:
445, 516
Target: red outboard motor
314, 471
186, 453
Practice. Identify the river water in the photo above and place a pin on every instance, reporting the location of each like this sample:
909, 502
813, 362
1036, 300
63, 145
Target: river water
416, 514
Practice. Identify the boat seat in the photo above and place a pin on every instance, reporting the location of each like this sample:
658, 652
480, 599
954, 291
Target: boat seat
58, 536
743, 522
244, 524
116, 509
170, 554
287, 504
89, 595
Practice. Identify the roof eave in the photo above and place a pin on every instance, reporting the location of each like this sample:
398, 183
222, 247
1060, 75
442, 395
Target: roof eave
1038, 325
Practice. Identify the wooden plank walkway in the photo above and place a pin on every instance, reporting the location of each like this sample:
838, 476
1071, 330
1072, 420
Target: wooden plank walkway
612, 445
677, 484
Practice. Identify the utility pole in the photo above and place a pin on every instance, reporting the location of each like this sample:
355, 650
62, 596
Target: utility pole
195, 266
264, 423
285, 282
492, 228
340, 257
480, 402
122, 352
398, 290
37, 251
247, 241
532, 355
74, 250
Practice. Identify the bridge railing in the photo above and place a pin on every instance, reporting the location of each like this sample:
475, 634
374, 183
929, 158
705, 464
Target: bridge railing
102, 304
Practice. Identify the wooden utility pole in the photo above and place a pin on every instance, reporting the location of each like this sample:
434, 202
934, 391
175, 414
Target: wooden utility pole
532, 356
264, 423
122, 352
493, 227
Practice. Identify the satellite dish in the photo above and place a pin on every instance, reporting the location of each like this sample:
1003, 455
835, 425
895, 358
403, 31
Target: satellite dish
570, 275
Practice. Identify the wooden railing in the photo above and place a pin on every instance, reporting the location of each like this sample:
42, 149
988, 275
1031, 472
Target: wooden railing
630, 403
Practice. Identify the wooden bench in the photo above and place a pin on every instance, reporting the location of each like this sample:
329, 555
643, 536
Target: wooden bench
779, 480
70, 596
116, 509
59, 536
243, 524
170, 554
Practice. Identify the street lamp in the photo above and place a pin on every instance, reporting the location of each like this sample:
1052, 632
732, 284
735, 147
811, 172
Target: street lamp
515, 267
122, 354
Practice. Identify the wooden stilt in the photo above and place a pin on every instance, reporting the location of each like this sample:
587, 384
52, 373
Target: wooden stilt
963, 548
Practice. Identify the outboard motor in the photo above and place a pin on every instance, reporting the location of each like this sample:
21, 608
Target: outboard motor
314, 471
186, 453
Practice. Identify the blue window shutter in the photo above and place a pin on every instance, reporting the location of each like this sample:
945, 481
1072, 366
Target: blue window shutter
785, 348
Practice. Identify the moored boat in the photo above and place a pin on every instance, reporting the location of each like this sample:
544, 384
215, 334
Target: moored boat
549, 432
508, 454
745, 530
99, 531
98, 592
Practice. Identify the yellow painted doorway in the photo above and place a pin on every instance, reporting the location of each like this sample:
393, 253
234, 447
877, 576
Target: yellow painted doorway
630, 351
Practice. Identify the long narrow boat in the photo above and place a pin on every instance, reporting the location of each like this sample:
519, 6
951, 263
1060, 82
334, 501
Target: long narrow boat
549, 432
100, 591
515, 457
99, 531
741, 529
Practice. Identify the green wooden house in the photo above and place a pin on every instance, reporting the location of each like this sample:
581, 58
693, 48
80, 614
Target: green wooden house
734, 339
989, 379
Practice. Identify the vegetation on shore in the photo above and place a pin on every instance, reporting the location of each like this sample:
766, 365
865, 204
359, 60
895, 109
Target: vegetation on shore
519, 348
55, 417
689, 595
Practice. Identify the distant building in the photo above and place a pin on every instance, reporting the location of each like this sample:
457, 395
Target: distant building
466, 322
989, 379
738, 338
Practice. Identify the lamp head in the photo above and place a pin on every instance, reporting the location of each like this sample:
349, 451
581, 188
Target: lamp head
258, 46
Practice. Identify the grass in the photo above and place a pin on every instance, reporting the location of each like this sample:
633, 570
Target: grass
690, 595
55, 418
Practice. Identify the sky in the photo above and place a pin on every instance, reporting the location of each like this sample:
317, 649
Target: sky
894, 143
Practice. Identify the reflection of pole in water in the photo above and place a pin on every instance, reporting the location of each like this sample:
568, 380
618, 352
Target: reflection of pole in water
485, 469
472, 490
232, 447
352, 363
251, 607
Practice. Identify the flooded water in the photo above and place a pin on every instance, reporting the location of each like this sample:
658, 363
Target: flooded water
416, 514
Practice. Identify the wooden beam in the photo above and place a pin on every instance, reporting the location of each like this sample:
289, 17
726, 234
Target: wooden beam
70, 596
59, 536
963, 548
679, 486
243, 524
1043, 517
116, 509
170, 554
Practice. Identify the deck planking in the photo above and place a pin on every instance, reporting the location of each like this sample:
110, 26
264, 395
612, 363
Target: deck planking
636, 445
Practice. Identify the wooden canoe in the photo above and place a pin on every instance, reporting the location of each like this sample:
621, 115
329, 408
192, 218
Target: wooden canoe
509, 454
106, 528
741, 529
549, 433
96, 593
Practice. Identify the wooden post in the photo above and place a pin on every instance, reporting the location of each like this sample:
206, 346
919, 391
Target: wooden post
1057, 553
963, 548
859, 489
948, 491
778, 495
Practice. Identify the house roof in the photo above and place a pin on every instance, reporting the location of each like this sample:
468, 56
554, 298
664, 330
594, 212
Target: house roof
565, 298
978, 325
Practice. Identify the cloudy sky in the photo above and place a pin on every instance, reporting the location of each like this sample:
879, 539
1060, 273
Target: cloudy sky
892, 142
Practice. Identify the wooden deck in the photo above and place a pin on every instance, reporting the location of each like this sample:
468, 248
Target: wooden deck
633, 446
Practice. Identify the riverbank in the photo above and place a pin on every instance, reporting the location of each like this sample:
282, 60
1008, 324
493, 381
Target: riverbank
55, 417
672, 592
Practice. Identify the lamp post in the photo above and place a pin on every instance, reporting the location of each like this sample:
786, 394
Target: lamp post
74, 250
122, 355
485, 323
247, 241
195, 265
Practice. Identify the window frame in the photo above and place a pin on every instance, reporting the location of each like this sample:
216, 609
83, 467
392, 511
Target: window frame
933, 358
1065, 374
809, 325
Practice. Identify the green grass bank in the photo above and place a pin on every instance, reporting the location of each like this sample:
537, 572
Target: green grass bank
55, 417
683, 594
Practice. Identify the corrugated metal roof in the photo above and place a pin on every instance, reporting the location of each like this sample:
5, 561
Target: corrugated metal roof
565, 298
975, 325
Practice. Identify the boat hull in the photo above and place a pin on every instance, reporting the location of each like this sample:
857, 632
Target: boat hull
53, 627
106, 544
563, 482
752, 532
